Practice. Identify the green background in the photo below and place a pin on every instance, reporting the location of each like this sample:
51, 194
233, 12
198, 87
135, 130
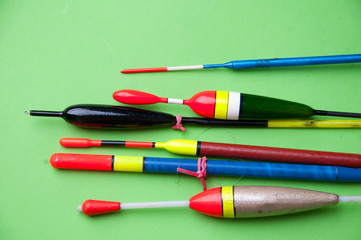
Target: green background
54, 54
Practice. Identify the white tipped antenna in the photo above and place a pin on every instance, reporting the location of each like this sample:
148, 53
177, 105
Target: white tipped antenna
349, 199
79, 208
164, 204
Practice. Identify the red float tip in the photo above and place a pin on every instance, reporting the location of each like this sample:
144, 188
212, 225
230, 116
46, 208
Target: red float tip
81, 161
54, 161
96, 207
79, 142
142, 70
135, 97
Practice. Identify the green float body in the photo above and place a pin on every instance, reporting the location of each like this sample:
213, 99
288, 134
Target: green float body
254, 106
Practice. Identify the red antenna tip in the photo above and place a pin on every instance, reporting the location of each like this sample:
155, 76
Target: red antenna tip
135, 97
96, 207
141, 70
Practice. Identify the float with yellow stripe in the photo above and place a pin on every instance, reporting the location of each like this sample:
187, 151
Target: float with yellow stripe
238, 151
228, 105
209, 167
235, 202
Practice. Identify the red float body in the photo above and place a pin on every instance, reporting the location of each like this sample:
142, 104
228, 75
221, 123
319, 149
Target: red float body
96, 207
208, 202
82, 161
203, 103
134, 97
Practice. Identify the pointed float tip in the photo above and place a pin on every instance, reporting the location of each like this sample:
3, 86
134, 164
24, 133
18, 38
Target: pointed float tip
143, 70
27, 112
79, 208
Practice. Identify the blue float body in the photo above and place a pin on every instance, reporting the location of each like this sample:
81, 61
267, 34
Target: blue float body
256, 169
285, 62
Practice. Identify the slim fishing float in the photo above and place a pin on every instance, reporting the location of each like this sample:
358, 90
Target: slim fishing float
260, 63
213, 149
209, 167
105, 116
231, 105
235, 202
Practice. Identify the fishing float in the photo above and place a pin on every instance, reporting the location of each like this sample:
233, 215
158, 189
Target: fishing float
260, 63
206, 167
214, 149
235, 202
231, 105
107, 116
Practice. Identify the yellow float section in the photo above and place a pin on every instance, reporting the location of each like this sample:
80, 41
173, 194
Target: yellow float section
314, 123
179, 146
221, 109
128, 164
227, 200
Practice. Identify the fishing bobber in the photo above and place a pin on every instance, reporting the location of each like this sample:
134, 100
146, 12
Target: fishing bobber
105, 116
260, 63
231, 105
204, 167
235, 202
237, 151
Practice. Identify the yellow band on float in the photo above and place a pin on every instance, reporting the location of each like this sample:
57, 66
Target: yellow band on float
179, 146
128, 164
221, 109
227, 200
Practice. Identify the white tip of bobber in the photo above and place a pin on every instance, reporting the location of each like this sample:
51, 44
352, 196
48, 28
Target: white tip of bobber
349, 199
180, 68
79, 208
27, 112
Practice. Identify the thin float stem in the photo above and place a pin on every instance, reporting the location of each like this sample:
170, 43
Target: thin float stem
138, 205
164, 204
337, 114
44, 113
349, 199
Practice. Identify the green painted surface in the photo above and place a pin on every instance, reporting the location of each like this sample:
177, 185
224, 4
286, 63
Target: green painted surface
54, 54
254, 106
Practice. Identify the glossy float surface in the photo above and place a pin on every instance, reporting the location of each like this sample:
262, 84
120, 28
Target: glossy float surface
55, 54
